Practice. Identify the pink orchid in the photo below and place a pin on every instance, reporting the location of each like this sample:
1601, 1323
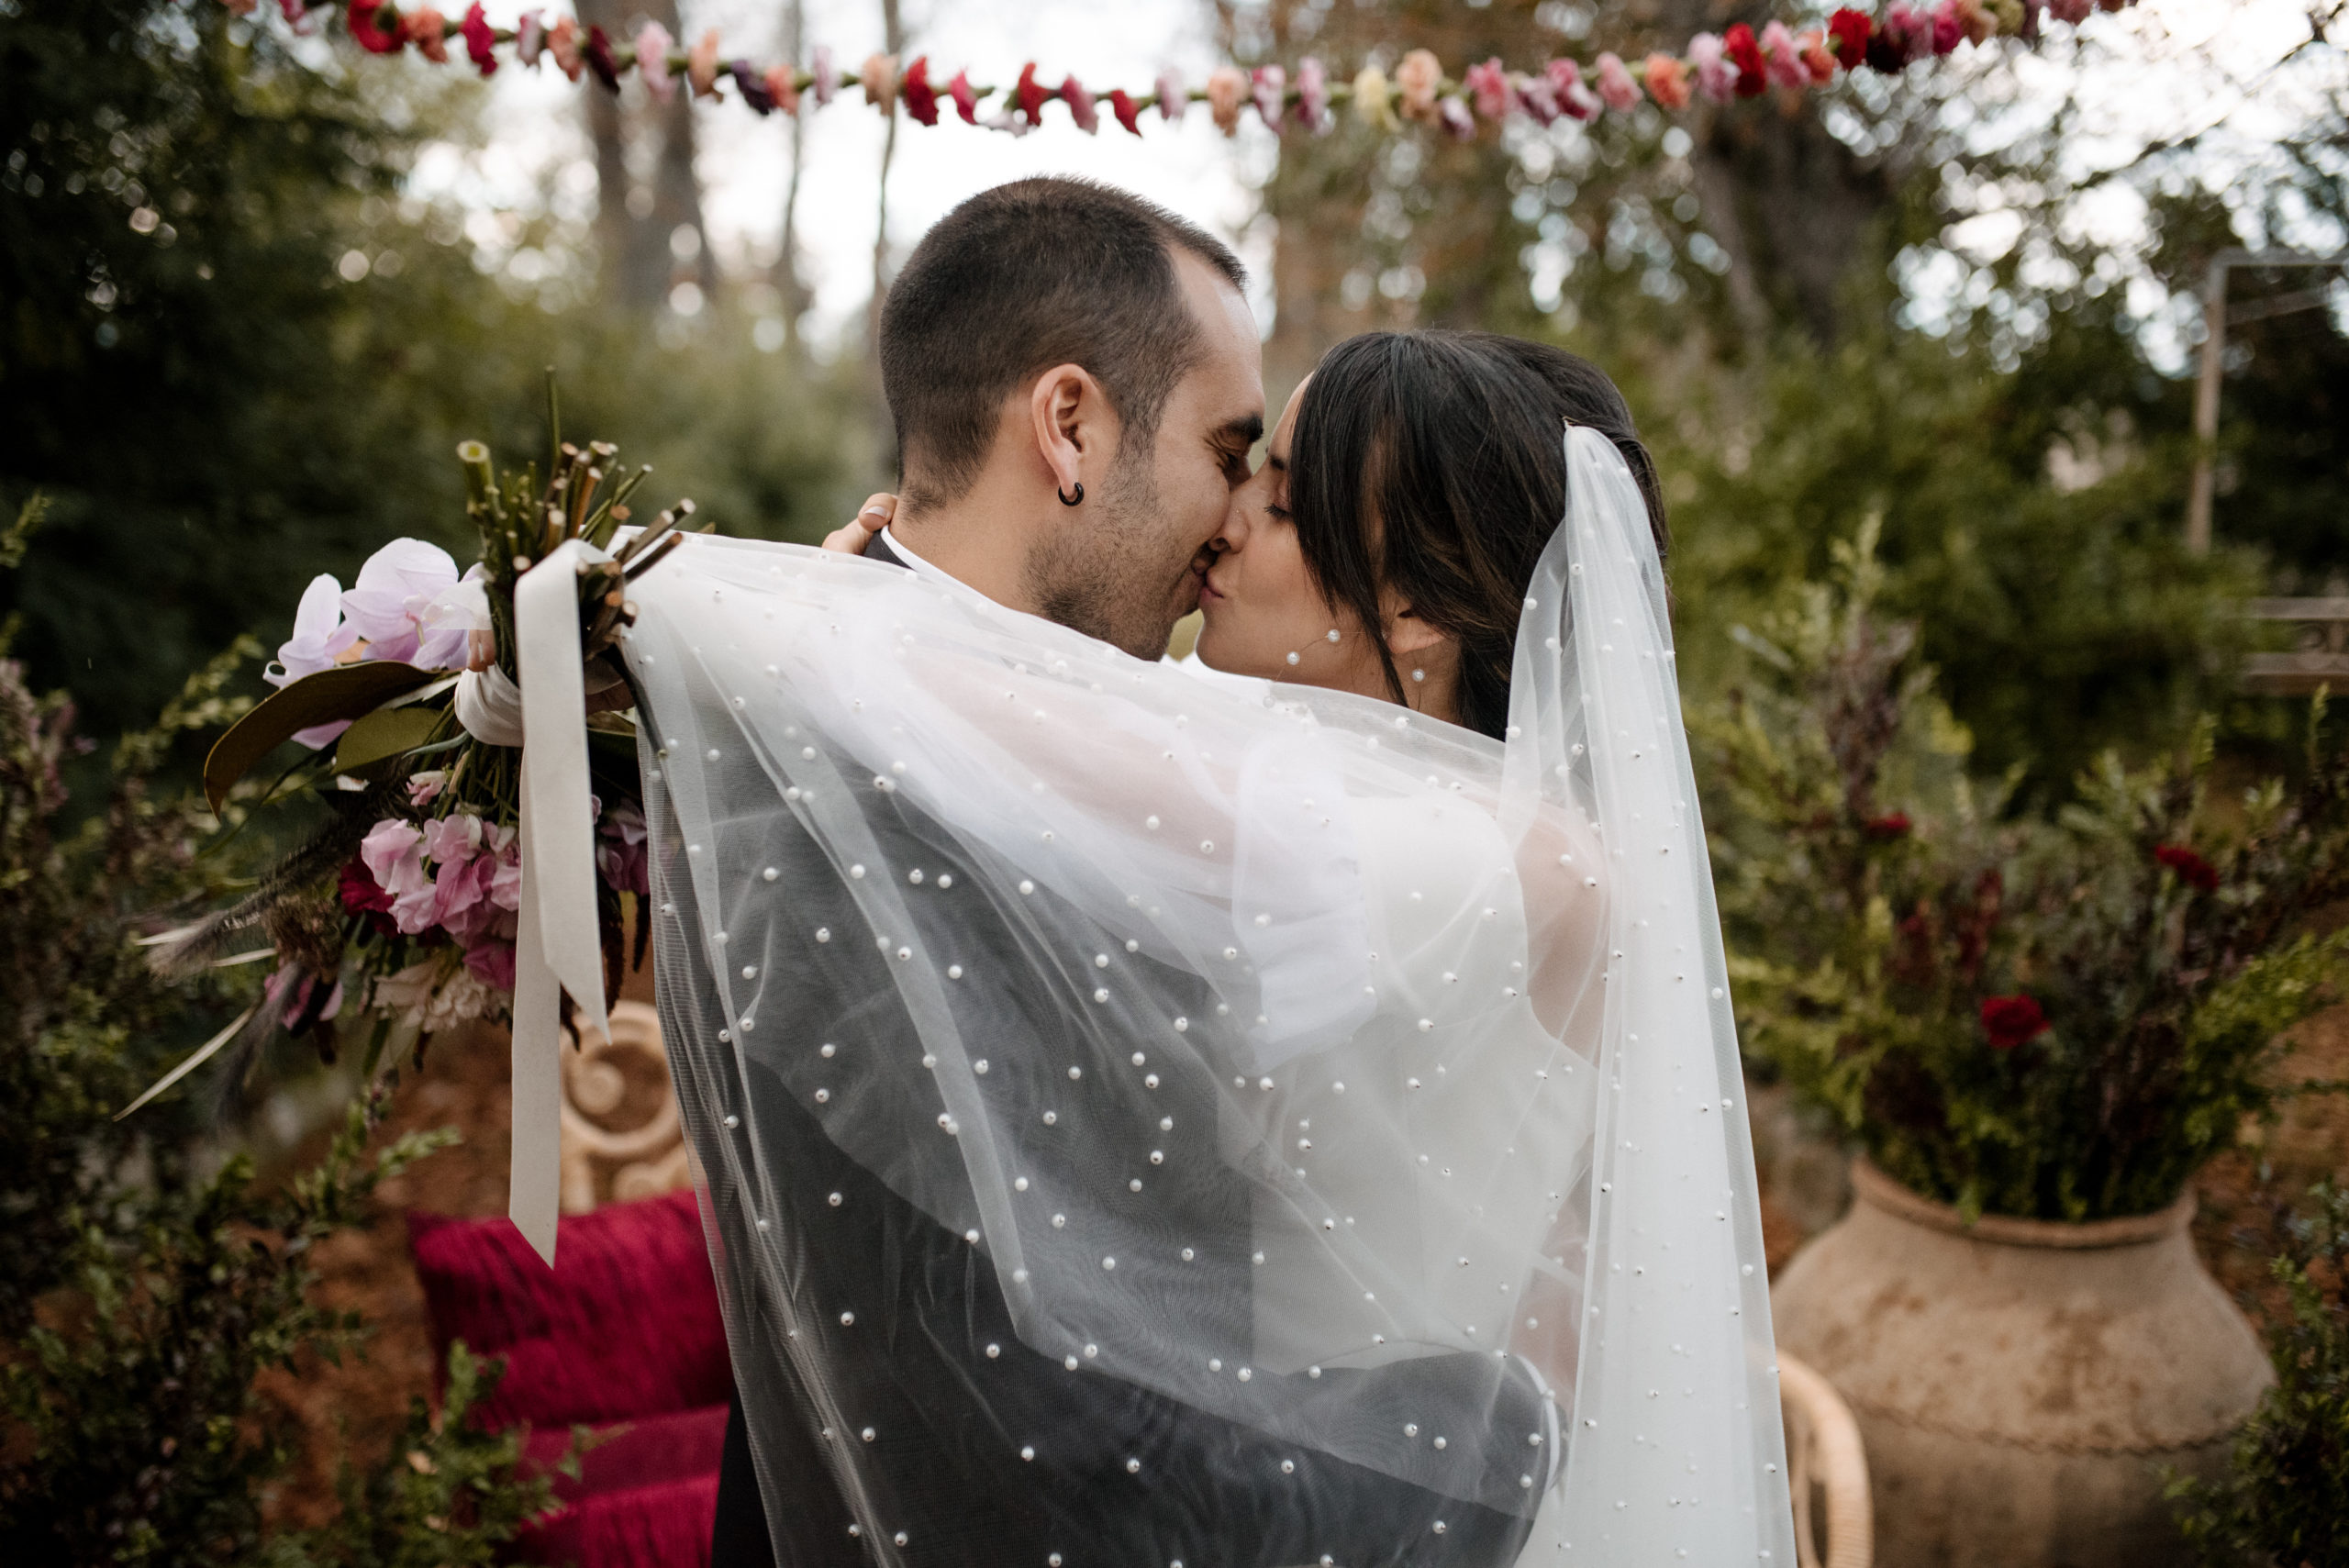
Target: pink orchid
1488, 84
446, 622
1174, 97
1312, 92
1616, 85
318, 636
1716, 73
1785, 56
394, 588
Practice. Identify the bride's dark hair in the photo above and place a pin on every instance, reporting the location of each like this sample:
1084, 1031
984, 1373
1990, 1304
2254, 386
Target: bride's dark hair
1434, 463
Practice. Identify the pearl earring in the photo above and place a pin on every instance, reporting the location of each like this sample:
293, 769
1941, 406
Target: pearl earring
1418, 675
1333, 634
1292, 658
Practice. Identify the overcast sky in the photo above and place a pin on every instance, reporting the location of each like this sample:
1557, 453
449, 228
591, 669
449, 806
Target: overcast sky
2175, 68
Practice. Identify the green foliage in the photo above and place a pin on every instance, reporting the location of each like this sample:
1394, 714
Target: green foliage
2284, 1500
141, 1298
2060, 1018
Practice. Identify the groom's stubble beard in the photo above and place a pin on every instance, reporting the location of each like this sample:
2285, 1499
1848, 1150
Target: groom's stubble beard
1111, 574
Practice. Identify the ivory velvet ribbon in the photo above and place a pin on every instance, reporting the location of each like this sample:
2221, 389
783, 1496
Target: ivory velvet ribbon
556, 947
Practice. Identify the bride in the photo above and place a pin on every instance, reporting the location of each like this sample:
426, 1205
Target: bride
1147, 1118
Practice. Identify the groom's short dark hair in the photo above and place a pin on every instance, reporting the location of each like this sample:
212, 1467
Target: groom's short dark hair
1021, 278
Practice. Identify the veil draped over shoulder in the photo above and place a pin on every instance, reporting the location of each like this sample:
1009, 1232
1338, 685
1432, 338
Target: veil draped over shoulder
1143, 1121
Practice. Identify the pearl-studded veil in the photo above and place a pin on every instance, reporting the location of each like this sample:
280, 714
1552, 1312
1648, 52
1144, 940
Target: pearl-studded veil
1145, 1121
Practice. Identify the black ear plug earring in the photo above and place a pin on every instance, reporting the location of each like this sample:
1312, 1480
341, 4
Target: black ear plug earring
1069, 500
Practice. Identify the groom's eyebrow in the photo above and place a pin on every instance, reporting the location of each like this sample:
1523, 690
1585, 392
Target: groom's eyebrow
1243, 432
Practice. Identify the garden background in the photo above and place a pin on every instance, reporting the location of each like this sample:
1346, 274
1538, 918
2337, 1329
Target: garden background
253, 289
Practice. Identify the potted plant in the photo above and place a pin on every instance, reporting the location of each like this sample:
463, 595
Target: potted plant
2035, 1029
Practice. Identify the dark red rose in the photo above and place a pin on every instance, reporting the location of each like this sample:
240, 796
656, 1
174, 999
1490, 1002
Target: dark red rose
1891, 824
1121, 103
922, 98
1850, 30
377, 27
599, 60
2191, 868
1031, 94
2010, 1021
1753, 76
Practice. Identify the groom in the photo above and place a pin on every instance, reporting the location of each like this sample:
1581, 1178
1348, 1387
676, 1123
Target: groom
1076, 384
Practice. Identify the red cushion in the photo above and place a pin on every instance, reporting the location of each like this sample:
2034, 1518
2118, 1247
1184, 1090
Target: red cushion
624, 1325
667, 1525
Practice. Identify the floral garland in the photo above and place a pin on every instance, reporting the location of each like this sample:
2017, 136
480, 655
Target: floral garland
1738, 62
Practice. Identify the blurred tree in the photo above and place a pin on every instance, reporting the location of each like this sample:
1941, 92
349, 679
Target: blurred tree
648, 201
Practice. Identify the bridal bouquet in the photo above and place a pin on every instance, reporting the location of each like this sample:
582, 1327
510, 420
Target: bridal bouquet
400, 692
2057, 1019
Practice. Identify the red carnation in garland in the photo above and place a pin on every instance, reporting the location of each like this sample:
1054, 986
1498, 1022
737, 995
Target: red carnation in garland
922, 98
1892, 825
1031, 94
966, 97
2010, 1021
1753, 76
481, 40
1121, 103
377, 27
1850, 30
599, 60
2191, 868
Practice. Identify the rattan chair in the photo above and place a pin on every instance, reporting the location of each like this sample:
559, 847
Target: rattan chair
1827, 1471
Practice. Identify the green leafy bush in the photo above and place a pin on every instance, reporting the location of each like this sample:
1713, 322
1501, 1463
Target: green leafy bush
2057, 1019
2284, 1500
139, 1297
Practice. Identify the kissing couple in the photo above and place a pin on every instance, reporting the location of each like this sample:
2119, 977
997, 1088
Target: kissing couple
1275, 1114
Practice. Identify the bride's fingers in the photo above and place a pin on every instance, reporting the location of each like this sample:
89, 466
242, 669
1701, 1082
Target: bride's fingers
871, 518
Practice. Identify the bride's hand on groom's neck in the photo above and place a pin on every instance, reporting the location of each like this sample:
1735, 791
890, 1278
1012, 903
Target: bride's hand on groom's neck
871, 518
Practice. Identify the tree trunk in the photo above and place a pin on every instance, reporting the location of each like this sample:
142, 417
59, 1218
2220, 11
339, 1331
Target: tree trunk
788, 282
641, 226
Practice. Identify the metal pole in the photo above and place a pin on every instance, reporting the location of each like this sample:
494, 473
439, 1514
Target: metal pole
2206, 405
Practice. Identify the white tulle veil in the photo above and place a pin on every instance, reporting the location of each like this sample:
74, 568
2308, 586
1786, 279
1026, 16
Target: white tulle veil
1275, 1105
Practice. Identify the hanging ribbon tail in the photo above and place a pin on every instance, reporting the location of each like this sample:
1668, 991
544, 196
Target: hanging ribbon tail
555, 943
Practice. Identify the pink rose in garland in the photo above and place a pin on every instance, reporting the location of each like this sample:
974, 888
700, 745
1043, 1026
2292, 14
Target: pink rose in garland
427, 29
1488, 84
1716, 73
1416, 82
1226, 87
1782, 57
1080, 106
1269, 87
1312, 94
1174, 97
2010, 1021
1667, 82
653, 41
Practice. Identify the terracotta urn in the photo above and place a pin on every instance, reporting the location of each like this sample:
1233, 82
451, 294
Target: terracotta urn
2018, 1384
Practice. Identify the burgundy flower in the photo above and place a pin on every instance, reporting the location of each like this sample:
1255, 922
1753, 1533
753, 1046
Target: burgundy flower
599, 60
1892, 825
1850, 30
1753, 74
481, 40
2191, 868
966, 97
2010, 1021
376, 26
752, 86
922, 98
1122, 105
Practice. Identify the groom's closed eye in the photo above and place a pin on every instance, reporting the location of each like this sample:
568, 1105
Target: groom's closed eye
1231, 444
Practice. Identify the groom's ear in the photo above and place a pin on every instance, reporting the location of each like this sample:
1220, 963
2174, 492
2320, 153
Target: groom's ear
1075, 430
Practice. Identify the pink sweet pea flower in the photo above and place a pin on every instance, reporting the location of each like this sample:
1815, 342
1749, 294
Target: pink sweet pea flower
1615, 84
827, 76
1312, 92
393, 590
424, 788
1538, 96
1271, 91
653, 41
452, 839
530, 37
492, 962
393, 853
1174, 97
1574, 95
1488, 84
1782, 57
1080, 106
1716, 73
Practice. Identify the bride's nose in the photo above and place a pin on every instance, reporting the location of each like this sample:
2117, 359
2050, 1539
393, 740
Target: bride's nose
1233, 533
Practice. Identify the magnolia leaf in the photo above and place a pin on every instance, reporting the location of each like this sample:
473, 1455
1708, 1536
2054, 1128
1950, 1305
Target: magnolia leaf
347, 691
387, 732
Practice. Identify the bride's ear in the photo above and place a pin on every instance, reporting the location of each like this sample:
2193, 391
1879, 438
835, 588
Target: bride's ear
1069, 414
1407, 634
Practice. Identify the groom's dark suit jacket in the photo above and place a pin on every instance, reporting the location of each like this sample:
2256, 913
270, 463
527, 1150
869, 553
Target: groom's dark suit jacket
1209, 1491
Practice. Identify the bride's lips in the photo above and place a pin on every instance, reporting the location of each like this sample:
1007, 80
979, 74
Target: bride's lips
1210, 595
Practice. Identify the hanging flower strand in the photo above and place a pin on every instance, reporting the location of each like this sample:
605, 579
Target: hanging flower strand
1737, 63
